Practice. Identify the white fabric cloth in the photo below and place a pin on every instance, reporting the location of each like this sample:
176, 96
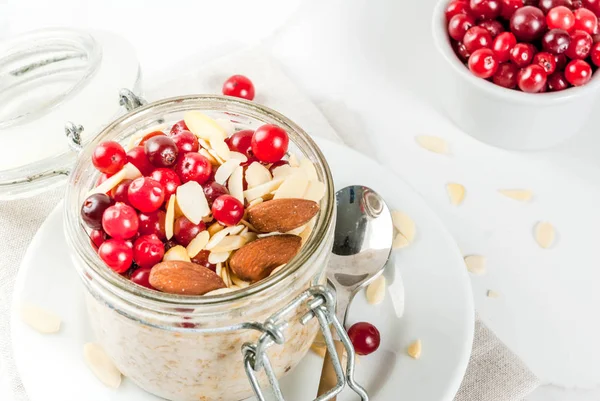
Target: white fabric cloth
494, 373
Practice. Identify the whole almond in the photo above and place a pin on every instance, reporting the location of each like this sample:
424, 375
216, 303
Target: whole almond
184, 278
255, 260
282, 215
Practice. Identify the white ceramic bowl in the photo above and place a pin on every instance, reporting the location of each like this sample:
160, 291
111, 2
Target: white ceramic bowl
504, 117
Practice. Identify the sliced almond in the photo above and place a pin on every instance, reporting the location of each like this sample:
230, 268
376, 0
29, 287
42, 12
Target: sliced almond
521, 195
315, 191
293, 160
221, 291
456, 193
128, 172
220, 235
238, 156
219, 269
375, 292
184, 278
544, 234
255, 202
277, 269
177, 252
284, 171
238, 281
404, 224
476, 264
281, 215
236, 184
198, 243
225, 170
400, 241
257, 174
493, 294
227, 125
216, 156
309, 169
230, 243
433, 144
305, 234
170, 217
297, 231
249, 236
40, 319
414, 350
214, 228
262, 190
225, 276
210, 157
292, 187
101, 365
192, 201
203, 126
218, 257
219, 146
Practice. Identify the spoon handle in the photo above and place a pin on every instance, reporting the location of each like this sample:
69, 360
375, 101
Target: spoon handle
328, 377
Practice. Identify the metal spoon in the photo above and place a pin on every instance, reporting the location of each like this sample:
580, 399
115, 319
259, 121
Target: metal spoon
362, 245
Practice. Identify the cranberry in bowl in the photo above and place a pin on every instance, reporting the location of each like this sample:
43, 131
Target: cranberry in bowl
514, 75
190, 255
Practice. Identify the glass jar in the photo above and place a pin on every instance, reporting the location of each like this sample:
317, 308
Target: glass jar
48, 78
188, 347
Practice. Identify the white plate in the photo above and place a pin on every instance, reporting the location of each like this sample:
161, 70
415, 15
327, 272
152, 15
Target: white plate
439, 311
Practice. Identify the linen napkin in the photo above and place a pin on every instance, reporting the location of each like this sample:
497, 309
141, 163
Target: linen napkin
494, 373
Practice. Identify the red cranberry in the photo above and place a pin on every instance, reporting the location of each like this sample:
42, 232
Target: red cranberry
178, 127
97, 237
269, 143
109, 157
495, 28
93, 208
119, 193
152, 223
547, 5
117, 254
202, 259
185, 231
530, 3
477, 38
227, 210
528, 23
365, 338
485, 9
459, 25
561, 61
521, 54
146, 194
509, 7
241, 142
532, 79
213, 190
483, 63
193, 167
546, 61
502, 46
592, 5
148, 250
147, 137
161, 151
557, 82
580, 46
137, 157
457, 7
186, 142
556, 41
595, 54
506, 75
586, 21
560, 18
120, 221
239, 86
461, 51
168, 179
578, 72
141, 277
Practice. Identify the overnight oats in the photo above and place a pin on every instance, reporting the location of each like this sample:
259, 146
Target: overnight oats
188, 218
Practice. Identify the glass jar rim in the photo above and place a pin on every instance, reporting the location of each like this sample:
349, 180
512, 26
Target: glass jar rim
127, 289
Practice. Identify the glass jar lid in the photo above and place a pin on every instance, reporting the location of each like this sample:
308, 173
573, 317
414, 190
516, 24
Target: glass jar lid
48, 78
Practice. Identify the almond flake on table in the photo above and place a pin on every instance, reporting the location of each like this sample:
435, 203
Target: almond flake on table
404, 224
39, 319
225, 170
177, 252
198, 243
192, 201
544, 234
521, 195
101, 365
456, 193
493, 294
476, 264
433, 144
414, 350
375, 292
170, 217
257, 174
400, 242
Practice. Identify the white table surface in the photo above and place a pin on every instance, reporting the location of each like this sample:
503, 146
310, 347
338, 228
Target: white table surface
371, 58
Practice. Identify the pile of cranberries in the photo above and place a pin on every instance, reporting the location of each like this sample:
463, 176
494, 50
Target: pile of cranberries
128, 223
531, 45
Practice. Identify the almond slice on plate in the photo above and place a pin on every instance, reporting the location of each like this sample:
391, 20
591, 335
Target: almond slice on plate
456, 193
493, 294
128, 172
432, 144
476, 264
101, 365
544, 234
309, 169
239, 156
404, 224
40, 319
281, 215
293, 187
218, 257
414, 350
230, 243
192, 201
170, 217
236, 184
203, 126
375, 292
521, 195
225, 170
184, 278
315, 191
178, 252
400, 242
262, 190
257, 174
198, 243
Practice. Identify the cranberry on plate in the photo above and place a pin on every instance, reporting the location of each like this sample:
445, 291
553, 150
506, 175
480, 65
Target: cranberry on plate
365, 338
459, 25
457, 7
477, 38
506, 76
528, 23
239, 86
546, 61
502, 46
